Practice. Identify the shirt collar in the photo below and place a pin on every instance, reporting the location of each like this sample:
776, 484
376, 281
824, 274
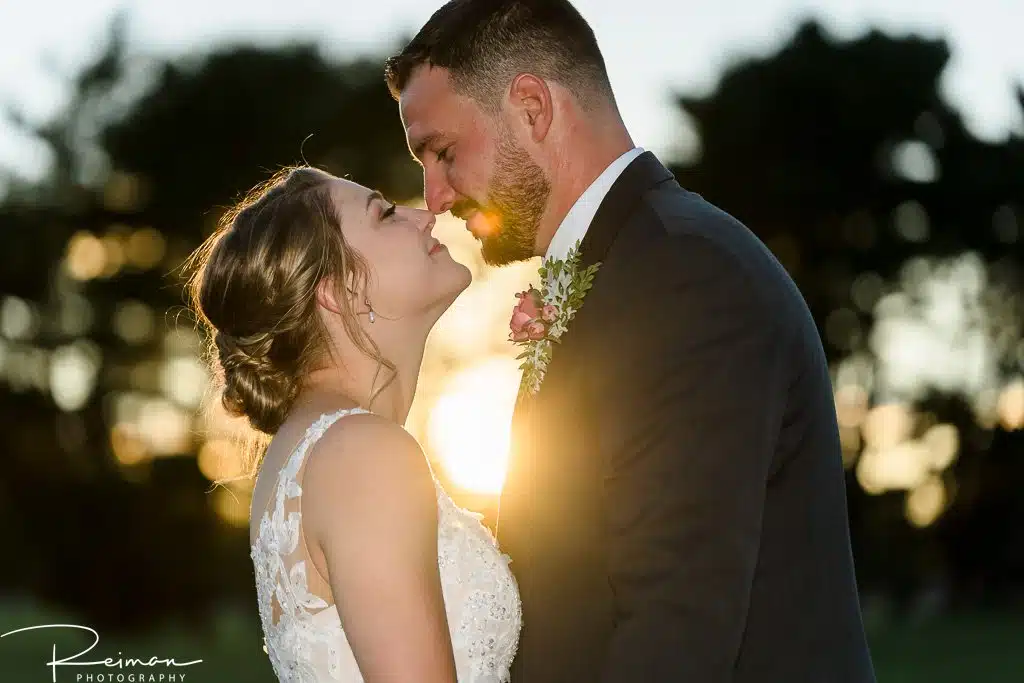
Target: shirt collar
574, 226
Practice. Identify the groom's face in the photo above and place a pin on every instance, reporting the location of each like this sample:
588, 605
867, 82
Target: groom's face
474, 167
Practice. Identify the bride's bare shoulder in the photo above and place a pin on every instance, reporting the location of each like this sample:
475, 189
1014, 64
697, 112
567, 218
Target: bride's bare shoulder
364, 439
365, 462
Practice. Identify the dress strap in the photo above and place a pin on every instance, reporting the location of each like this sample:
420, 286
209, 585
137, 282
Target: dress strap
287, 484
316, 430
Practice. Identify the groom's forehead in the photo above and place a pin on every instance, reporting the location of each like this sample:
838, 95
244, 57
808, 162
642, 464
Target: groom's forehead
429, 108
427, 92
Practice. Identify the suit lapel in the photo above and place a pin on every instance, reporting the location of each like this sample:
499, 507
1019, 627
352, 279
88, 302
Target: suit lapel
642, 174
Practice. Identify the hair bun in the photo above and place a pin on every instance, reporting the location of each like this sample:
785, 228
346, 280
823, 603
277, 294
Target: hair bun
254, 286
254, 387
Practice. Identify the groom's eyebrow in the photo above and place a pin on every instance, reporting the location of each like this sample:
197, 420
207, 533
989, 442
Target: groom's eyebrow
423, 143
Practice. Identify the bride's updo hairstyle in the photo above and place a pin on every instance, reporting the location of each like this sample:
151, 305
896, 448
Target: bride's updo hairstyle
254, 285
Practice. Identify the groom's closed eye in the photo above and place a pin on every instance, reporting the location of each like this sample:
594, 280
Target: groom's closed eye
420, 147
433, 141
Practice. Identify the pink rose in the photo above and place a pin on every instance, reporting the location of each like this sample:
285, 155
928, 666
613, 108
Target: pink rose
519, 336
529, 302
536, 330
526, 322
549, 313
519, 321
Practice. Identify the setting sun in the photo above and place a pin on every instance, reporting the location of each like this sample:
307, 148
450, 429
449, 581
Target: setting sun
469, 424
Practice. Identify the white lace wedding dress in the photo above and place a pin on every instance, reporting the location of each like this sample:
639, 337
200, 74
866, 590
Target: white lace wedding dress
303, 632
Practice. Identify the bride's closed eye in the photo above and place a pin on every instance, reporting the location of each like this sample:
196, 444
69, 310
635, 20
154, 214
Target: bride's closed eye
388, 212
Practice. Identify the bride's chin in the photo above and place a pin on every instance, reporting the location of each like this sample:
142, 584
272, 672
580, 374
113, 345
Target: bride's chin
467, 278
444, 302
461, 278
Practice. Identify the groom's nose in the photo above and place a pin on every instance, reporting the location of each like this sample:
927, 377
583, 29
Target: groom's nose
437, 192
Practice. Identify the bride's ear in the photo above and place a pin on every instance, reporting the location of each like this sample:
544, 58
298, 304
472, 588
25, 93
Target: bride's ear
327, 293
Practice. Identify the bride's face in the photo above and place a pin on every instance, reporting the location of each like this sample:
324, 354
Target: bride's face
412, 273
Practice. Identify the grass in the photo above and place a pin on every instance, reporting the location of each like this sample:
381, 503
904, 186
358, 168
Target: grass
967, 648
972, 648
231, 650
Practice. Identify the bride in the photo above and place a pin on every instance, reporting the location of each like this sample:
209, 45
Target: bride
319, 295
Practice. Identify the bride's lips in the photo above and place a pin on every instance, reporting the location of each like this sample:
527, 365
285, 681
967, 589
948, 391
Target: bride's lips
436, 248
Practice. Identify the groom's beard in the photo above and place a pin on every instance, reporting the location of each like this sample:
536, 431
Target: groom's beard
516, 200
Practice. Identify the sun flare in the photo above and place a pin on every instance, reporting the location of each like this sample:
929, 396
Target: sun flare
469, 424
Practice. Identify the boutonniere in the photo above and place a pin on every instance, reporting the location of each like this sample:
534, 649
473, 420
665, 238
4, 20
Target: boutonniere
542, 315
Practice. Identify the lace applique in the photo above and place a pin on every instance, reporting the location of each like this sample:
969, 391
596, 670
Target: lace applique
480, 592
306, 643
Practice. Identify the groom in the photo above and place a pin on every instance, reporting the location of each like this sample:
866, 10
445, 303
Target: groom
675, 506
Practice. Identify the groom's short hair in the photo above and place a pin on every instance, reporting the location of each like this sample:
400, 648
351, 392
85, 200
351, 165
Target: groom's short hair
484, 44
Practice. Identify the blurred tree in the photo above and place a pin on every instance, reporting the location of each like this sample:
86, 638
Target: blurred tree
902, 231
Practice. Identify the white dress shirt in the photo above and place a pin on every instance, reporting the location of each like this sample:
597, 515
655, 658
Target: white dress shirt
576, 223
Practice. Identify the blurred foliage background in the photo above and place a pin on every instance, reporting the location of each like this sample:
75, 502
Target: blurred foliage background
902, 230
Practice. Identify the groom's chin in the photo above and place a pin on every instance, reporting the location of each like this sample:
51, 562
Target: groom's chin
497, 252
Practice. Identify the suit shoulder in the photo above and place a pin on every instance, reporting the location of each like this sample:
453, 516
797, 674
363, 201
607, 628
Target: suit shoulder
677, 233
681, 212
675, 225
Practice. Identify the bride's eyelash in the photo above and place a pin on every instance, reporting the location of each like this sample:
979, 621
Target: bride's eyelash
388, 212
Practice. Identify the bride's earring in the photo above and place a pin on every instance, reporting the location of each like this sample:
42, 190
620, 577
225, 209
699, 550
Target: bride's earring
373, 316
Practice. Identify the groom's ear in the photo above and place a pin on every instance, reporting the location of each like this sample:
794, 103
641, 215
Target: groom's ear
531, 100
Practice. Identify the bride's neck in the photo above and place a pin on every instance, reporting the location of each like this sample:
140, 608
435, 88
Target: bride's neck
360, 379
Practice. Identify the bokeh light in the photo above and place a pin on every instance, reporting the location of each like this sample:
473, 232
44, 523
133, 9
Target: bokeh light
925, 503
86, 257
73, 371
1011, 405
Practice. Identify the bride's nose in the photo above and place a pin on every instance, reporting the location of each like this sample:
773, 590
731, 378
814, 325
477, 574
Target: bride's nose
427, 220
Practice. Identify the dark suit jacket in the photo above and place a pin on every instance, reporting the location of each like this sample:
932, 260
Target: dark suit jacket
675, 506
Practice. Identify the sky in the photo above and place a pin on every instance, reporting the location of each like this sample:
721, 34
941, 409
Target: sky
652, 47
